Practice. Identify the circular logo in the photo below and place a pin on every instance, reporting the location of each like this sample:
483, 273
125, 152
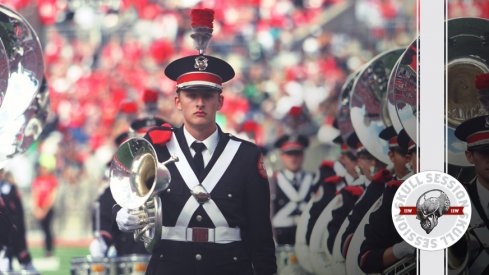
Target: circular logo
431, 210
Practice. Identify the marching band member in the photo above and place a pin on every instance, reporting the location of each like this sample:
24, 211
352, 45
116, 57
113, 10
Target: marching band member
290, 188
17, 244
376, 176
333, 175
383, 246
216, 210
474, 133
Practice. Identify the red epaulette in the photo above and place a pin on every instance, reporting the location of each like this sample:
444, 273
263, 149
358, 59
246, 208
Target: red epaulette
327, 163
160, 135
394, 183
382, 176
355, 190
333, 179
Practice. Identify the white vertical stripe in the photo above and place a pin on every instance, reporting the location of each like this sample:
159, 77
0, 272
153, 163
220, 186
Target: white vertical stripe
431, 130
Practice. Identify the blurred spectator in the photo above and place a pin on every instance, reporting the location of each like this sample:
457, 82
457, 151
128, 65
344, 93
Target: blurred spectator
44, 190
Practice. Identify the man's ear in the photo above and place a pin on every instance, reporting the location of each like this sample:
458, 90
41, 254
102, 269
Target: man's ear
178, 104
221, 102
470, 156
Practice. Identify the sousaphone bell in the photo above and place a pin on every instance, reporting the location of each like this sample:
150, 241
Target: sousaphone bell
468, 56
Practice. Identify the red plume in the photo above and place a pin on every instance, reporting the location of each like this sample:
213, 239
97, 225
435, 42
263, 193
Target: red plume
202, 18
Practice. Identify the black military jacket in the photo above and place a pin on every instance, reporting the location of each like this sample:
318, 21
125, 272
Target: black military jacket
372, 193
243, 196
380, 233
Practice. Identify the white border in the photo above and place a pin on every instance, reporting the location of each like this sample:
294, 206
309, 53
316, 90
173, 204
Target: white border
431, 128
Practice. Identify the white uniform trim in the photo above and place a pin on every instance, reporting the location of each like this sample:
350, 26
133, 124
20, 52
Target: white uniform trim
217, 235
209, 183
283, 217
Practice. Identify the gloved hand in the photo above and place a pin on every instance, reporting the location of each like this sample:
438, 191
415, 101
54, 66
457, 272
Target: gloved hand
98, 248
128, 222
403, 249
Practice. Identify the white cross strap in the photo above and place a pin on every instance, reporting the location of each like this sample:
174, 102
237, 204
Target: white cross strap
209, 182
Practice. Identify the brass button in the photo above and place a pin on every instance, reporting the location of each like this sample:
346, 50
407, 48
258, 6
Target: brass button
168, 190
198, 257
235, 258
230, 195
161, 256
199, 218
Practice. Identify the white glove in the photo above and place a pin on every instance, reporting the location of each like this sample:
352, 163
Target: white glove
403, 249
128, 222
98, 248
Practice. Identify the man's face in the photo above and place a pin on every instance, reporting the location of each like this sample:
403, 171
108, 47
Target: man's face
199, 107
480, 159
292, 160
366, 164
398, 160
349, 164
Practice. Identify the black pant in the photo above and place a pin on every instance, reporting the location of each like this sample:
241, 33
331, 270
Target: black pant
46, 228
187, 258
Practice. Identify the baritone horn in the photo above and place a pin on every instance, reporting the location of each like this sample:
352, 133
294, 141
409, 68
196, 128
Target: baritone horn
136, 179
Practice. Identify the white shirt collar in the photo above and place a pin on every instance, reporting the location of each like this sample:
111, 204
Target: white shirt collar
290, 175
210, 142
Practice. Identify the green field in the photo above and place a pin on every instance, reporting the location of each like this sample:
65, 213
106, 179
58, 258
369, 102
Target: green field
59, 264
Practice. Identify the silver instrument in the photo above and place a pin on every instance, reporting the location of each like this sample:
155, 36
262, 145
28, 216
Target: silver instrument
24, 104
136, 179
468, 56
366, 103
405, 90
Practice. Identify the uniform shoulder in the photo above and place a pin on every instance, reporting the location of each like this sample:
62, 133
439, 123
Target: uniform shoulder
247, 143
394, 183
333, 179
327, 164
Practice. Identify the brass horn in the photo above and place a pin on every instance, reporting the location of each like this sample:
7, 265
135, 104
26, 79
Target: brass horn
25, 64
136, 179
366, 103
468, 56
343, 116
404, 90
23, 110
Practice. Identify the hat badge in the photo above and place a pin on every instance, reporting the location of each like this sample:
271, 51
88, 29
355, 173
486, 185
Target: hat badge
201, 63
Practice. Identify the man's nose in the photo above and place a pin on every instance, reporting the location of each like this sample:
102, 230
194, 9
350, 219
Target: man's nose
200, 100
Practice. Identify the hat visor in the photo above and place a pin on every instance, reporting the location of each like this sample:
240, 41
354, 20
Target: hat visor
480, 148
200, 87
293, 150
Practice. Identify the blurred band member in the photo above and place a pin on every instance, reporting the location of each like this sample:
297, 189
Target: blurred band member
474, 133
291, 188
376, 177
383, 246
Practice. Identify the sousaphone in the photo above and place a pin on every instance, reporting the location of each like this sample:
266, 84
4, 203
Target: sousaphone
25, 68
367, 108
22, 112
404, 91
468, 56
343, 116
